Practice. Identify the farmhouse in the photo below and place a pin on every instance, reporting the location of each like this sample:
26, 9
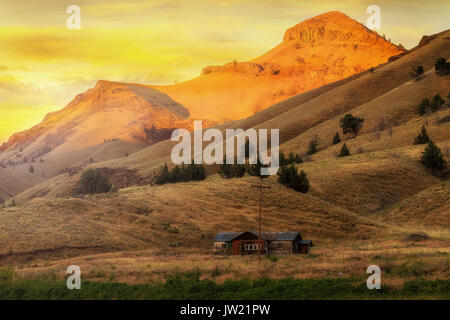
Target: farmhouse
243, 243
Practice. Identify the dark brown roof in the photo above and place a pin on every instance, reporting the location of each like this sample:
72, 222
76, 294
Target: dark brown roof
272, 236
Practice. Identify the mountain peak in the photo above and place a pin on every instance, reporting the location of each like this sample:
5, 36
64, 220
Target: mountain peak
331, 26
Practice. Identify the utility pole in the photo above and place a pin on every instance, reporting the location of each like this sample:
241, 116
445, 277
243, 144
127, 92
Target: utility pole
260, 186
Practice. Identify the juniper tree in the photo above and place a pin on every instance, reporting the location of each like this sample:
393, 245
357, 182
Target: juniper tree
442, 66
436, 103
282, 159
163, 177
336, 138
238, 170
432, 158
423, 106
255, 169
312, 148
351, 124
93, 181
422, 137
290, 177
344, 151
418, 71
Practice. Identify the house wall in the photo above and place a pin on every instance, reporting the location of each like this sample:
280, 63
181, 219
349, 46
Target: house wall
304, 248
222, 247
280, 247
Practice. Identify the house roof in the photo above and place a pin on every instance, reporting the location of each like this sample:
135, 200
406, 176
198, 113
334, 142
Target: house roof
273, 236
308, 242
226, 236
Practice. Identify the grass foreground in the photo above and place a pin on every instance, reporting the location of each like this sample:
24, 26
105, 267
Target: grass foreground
183, 287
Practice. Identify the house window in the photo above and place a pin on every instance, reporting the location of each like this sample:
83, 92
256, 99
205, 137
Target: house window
224, 245
280, 246
251, 247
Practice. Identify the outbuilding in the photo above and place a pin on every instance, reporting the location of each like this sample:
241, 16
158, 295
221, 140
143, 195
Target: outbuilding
244, 243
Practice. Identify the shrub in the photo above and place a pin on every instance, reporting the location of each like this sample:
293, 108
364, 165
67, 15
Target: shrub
31, 169
92, 181
436, 103
344, 151
229, 171
336, 138
255, 169
163, 177
351, 124
312, 148
423, 106
442, 66
432, 158
417, 72
423, 137
293, 158
290, 177
191, 172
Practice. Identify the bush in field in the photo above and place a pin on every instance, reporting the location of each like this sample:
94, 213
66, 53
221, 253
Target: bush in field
344, 151
423, 106
422, 137
312, 148
293, 158
436, 103
351, 124
442, 66
229, 171
191, 172
289, 176
92, 181
432, 158
417, 72
336, 138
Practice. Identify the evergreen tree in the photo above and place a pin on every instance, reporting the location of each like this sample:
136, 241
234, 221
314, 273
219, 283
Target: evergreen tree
312, 148
225, 170
291, 157
442, 66
255, 169
92, 181
336, 138
283, 161
418, 71
175, 175
163, 177
298, 159
351, 124
423, 106
432, 158
344, 151
436, 103
422, 137
290, 177
199, 172
238, 170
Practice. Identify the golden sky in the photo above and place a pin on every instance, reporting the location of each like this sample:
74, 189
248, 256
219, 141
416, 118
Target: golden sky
43, 65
